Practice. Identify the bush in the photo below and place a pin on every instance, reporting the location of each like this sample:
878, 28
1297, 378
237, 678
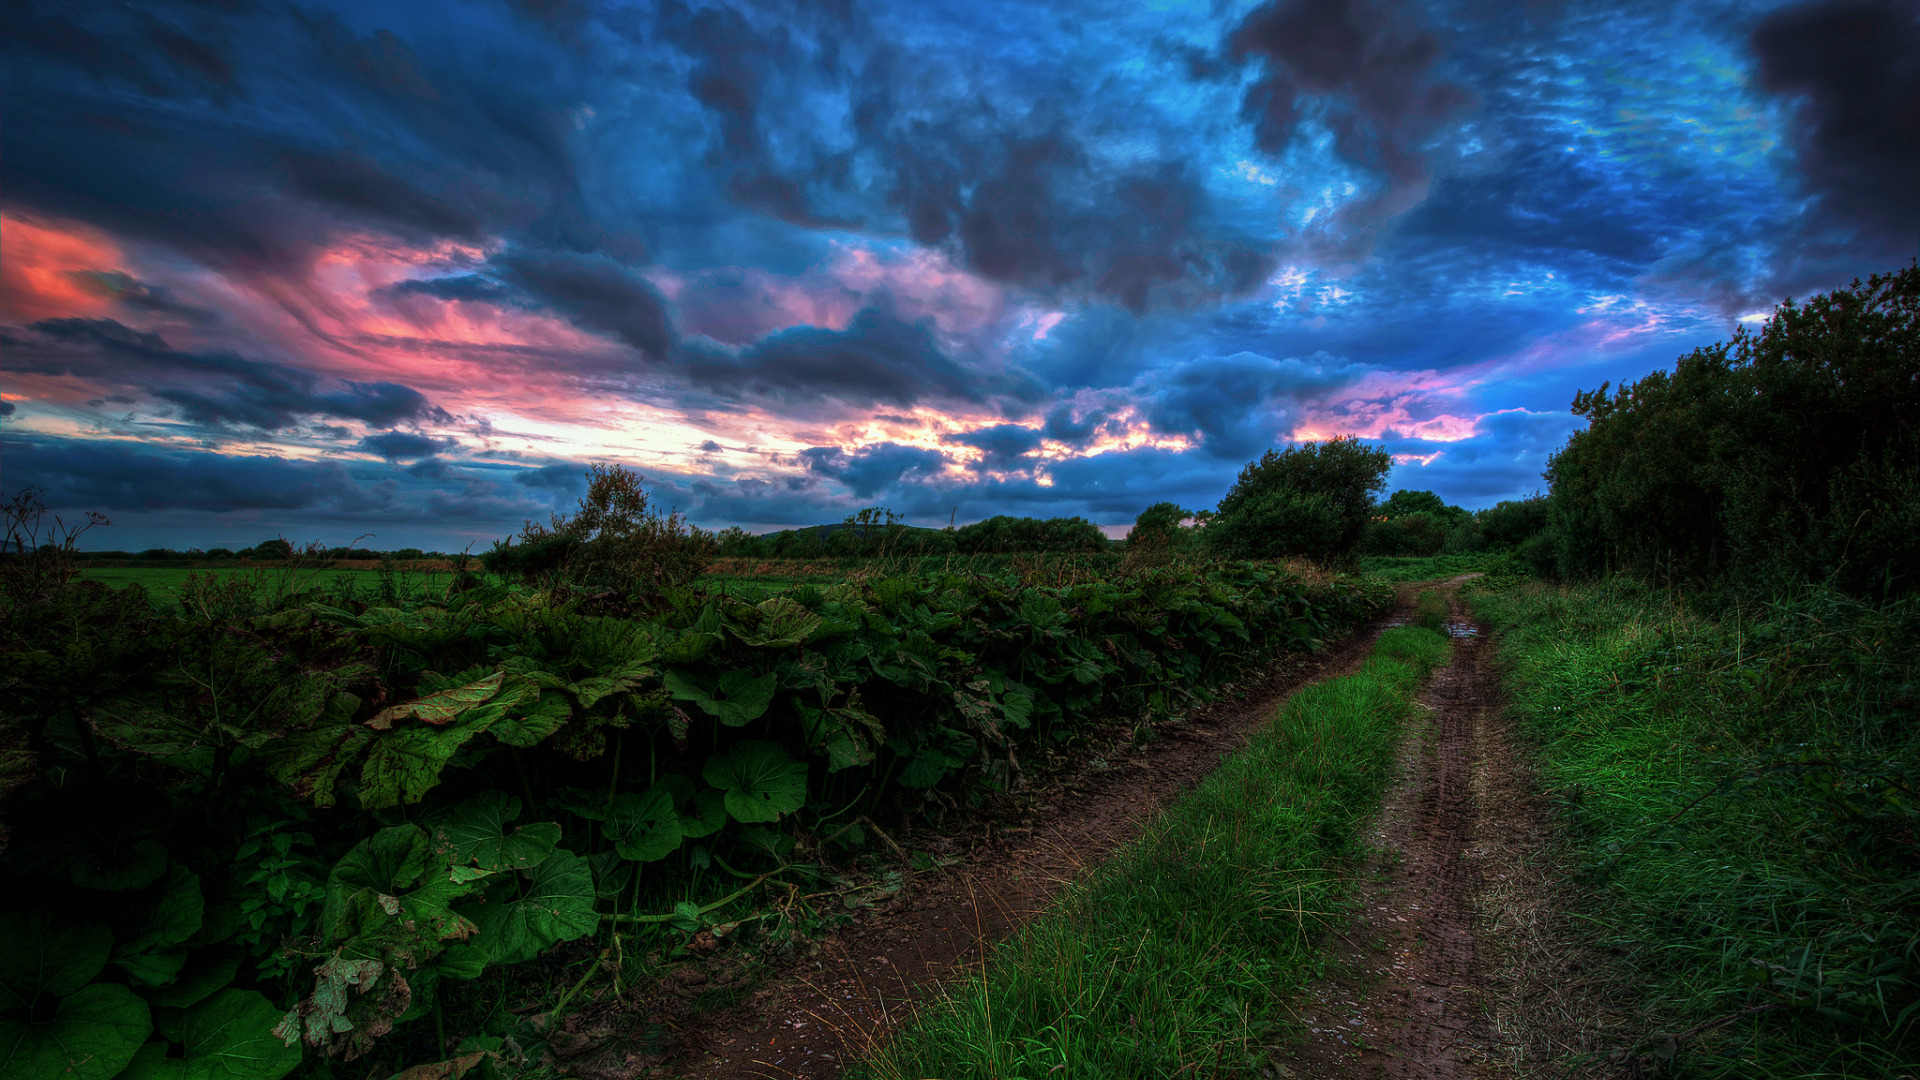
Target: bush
1004, 535
1314, 499
1785, 454
616, 546
1512, 522
1409, 534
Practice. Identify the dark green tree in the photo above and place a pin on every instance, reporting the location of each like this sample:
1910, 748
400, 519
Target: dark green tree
1313, 499
1793, 452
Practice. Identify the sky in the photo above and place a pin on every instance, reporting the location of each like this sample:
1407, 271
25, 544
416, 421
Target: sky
322, 270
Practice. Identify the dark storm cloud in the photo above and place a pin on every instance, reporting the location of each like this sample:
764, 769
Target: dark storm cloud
564, 479
1238, 405
122, 476
403, 445
343, 129
123, 288
152, 486
1504, 460
1076, 428
207, 388
1020, 196
1004, 445
874, 467
597, 294
761, 502
1361, 70
1107, 489
878, 358
471, 287
363, 189
1851, 69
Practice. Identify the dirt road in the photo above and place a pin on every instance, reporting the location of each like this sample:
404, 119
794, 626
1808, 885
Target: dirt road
1451, 967
819, 1017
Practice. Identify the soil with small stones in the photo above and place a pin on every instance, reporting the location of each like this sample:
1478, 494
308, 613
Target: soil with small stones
1439, 974
826, 1010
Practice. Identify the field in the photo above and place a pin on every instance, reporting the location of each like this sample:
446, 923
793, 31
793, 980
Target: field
351, 817
165, 583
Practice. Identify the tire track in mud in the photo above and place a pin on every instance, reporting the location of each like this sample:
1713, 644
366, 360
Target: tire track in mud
826, 1011
1423, 985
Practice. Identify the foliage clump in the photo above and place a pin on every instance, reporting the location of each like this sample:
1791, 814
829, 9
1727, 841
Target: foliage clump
1312, 500
617, 547
1790, 453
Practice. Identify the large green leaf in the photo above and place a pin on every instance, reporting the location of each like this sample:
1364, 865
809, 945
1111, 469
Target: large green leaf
388, 897
311, 761
593, 689
740, 698
208, 970
556, 905
388, 861
118, 865
644, 827
46, 954
476, 832
761, 781
404, 765
173, 913
229, 1036
443, 707
702, 813
92, 1035
528, 723
784, 623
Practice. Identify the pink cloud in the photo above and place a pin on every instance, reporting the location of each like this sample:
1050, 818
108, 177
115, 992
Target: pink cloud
41, 257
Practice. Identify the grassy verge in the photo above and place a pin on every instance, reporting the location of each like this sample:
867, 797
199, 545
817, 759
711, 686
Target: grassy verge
1743, 784
1433, 567
1178, 954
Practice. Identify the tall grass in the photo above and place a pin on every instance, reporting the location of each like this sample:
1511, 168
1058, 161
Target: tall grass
1177, 955
1743, 783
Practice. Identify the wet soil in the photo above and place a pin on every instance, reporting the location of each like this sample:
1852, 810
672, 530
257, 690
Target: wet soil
825, 1011
1437, 976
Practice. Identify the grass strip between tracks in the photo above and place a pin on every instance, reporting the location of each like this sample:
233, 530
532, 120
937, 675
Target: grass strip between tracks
1180, 952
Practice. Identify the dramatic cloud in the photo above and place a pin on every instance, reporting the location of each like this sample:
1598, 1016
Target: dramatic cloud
403, 446
206, 388
788, 260
878, 358
1364, 74
871, 469
1850, 72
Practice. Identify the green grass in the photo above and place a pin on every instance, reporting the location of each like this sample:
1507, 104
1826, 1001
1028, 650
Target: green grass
1430, 610
1177, 956
1423, 567
164, 584
1743, 789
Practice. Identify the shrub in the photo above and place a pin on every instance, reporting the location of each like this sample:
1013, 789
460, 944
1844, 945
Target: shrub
1784, 454
616, 546
1313, 499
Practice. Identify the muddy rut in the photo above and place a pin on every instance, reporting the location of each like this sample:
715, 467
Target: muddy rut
825, 1011
1428, 975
